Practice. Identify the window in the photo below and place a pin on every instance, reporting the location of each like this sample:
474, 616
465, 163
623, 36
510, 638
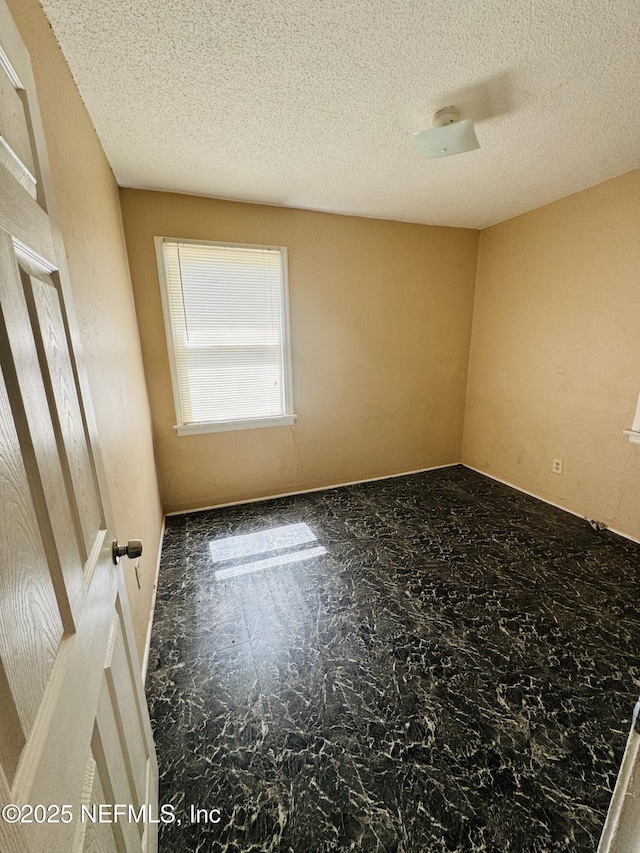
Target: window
634, 432
226, 316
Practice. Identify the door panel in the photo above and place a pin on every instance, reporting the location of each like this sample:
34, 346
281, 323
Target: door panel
126, 710
33, 423
65, 405
31, 623
74, 727
94, 837
15, 145
22, 216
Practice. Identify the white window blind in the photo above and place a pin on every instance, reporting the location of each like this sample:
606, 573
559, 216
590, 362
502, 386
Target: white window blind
227, 318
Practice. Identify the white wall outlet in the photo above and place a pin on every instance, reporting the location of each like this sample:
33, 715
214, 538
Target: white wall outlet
557, 466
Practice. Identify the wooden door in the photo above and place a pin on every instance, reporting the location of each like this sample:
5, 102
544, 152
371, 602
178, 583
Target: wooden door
74, 726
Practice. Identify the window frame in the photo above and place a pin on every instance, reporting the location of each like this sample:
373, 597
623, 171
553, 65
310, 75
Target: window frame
633, 434
195, 428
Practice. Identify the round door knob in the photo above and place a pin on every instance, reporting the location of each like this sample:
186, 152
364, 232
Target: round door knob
132, 550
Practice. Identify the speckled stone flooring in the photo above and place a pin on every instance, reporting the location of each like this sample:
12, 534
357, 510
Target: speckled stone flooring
427, 663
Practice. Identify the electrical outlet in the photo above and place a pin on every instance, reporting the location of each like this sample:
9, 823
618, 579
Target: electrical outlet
557, 466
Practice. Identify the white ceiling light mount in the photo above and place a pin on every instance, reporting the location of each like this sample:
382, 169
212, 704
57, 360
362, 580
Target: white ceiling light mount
448, 135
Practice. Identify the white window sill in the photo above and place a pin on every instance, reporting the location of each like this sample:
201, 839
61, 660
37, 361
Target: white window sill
634, 435
226, 426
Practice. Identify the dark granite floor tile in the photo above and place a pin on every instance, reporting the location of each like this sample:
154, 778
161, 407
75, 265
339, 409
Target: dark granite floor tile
454, 671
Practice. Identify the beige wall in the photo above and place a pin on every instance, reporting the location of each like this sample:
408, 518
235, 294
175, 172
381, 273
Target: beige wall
89, 212
555, 357
381, 317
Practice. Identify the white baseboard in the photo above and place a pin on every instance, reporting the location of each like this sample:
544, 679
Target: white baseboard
544, 500
316, 489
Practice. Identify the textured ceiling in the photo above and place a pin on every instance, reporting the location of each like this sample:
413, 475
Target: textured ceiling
308, 103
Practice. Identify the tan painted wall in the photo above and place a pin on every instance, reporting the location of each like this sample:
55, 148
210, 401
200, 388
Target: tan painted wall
88, 203
381, 317
555, 357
